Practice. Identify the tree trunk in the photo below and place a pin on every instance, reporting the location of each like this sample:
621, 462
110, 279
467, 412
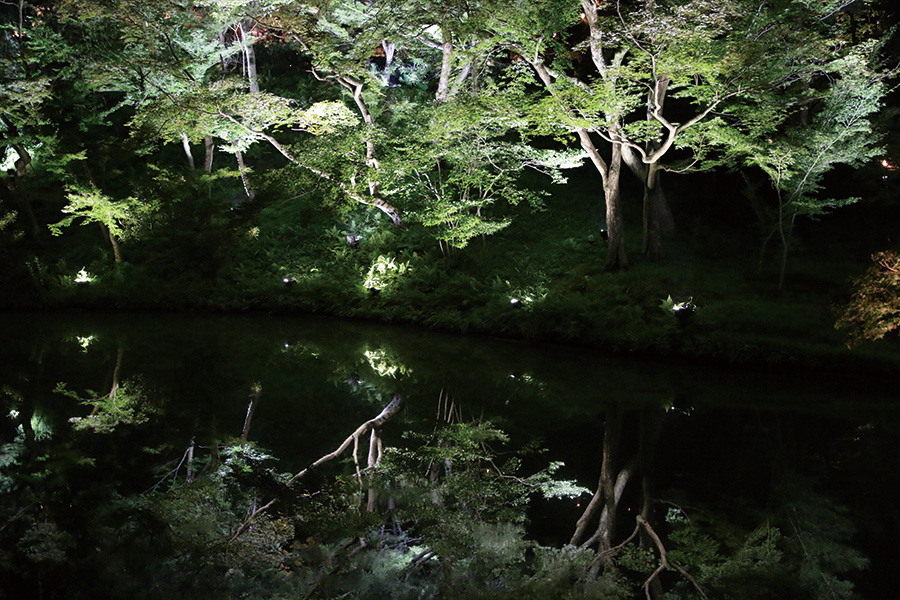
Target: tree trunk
615, 226
255, 392
375, 198
784, 235
375, 423
210, 151
117, 253
242, 168
443, 91
653, 199
609, 172
645, 166
605, 497
186, 144
249, 63
657, 217
376, 451
249, 56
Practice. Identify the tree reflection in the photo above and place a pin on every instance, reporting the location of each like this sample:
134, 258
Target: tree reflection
411, 490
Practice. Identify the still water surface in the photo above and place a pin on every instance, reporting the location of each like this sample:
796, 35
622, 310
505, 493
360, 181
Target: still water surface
298, 386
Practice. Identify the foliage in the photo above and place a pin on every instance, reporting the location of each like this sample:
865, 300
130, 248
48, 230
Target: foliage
384, 272
7, 218
122, 218
840, 133
874, 309
458, 157
127, 404
671, 306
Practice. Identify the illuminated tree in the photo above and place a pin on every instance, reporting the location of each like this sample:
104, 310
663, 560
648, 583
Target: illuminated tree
834, 127
573, 105
118, 219
444, 163
874, 309
645, 82
460, 156
23, 90
684, 58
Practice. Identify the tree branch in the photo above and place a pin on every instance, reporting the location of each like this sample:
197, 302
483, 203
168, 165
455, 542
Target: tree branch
389, 411
249, 519
664, 562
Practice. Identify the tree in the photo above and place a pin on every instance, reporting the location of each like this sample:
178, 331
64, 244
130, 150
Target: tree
682, 56
117, 219
461, 155
874, 309
796, 154
23, 91
573, 105
170, 63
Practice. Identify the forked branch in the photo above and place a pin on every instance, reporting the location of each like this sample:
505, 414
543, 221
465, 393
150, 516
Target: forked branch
664, 562
375, 423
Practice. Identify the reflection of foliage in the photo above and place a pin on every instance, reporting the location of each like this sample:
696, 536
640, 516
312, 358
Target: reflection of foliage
817, 535
457, 465
799, 552
874, 309
385, 364
216, 542
723, 559
126, 405
84, 342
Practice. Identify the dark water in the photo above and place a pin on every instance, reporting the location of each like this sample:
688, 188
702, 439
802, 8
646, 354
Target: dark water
740, 441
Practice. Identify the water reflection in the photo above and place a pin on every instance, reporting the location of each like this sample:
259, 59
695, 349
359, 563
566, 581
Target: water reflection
157, 455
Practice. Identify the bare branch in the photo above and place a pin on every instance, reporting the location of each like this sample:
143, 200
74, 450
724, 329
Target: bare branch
389, 411
249, 519
664, 562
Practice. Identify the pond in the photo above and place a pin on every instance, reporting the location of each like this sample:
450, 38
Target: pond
160, 456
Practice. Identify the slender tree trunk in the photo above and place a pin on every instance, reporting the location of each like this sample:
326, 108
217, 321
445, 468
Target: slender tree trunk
615, 226
249, 66
117, 253
186, 144
389, 49
443, 91
376, 451
374, 198
249, 55
783, 237
114, 384
653, 200
242, 168
210, 148
255, 393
